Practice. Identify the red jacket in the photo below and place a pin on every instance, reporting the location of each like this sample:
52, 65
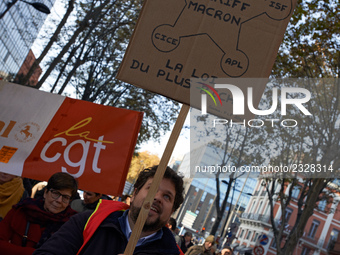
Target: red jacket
42, 225
12, 228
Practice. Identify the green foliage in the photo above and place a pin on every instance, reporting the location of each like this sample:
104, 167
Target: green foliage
311, 44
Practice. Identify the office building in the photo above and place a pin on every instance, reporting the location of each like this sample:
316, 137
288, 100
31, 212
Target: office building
198, 210
19, 28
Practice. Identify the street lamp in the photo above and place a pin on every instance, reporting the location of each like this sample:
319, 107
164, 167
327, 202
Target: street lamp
38, 6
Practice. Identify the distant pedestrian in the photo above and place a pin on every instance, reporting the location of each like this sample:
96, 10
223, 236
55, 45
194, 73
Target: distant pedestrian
126, 199
173, 226
186, 241
204, 249
90, 201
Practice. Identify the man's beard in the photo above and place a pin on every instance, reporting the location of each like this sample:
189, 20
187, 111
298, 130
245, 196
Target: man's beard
148, 226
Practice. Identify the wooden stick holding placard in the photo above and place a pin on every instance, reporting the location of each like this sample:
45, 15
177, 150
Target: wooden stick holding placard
156, 181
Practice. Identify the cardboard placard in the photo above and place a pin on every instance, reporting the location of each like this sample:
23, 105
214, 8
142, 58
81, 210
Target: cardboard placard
43, 133
176, 40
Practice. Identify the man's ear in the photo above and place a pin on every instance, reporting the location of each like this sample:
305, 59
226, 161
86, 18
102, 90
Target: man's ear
172, 211
133, 195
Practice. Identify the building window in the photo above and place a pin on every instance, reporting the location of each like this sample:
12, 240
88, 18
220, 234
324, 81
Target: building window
252, 207
313, 229
255, 237
333, 238
248, 235
288, 213
322, 205
203, 196
305, 251
267, 209
259, 208
296, 191
273, 245
241, 233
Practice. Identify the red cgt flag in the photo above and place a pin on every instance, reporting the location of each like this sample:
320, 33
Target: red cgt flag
51, 133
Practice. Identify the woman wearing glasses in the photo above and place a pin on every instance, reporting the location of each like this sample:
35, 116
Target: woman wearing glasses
31, 222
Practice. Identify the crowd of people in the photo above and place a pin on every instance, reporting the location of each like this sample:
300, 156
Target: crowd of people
51, 218
207, 248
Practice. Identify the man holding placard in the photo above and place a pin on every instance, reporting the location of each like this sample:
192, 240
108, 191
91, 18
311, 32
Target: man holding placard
109, 228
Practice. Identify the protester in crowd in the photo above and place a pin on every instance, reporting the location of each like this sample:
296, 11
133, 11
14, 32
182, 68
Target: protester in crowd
90, 201
226, 251
186, 242
204, 249
172, 224
11, 192
177, 231
126, 199
108, 230
31, 222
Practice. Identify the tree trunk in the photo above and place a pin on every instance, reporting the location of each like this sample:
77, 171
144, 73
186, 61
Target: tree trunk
297, 231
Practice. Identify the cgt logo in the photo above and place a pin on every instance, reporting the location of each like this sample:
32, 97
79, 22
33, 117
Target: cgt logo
238, 99
58, 148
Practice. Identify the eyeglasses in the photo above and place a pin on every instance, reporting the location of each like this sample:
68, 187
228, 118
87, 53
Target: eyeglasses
56, 194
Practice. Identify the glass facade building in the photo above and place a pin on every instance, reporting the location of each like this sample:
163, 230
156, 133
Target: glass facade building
201, 195
19, 28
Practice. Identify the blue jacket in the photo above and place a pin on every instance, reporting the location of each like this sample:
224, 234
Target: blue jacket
107, 240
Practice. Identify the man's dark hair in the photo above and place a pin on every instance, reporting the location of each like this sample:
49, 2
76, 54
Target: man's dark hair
60, 181
169, 174
227, 247
173, 223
